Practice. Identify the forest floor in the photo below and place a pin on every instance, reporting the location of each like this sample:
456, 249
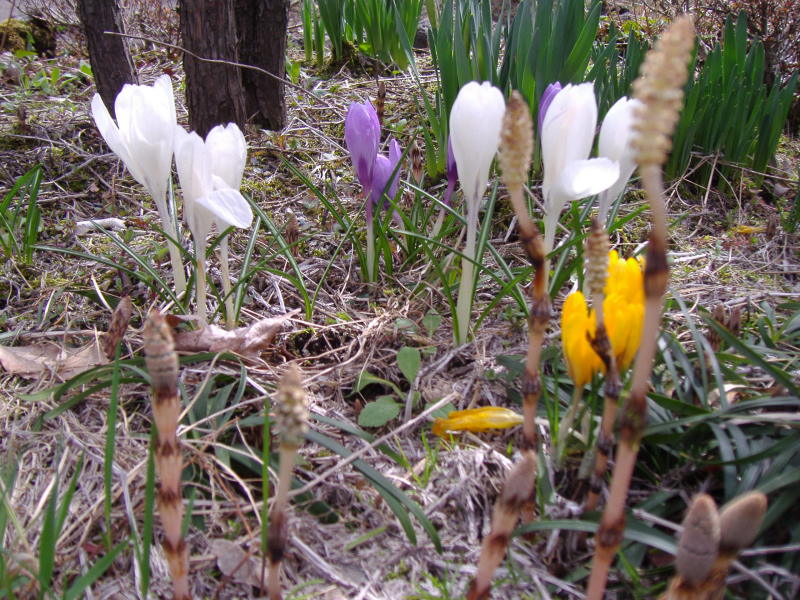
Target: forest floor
346, 541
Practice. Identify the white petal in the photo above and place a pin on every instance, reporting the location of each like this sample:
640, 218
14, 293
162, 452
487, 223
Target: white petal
616, 135
475, 122
581, 178
228, 150
113, 137
194, 176
568, 130
228, 207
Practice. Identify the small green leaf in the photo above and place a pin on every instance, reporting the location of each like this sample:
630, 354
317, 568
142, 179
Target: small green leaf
431, 322
366, 378
442, 411
378, 413
409, 362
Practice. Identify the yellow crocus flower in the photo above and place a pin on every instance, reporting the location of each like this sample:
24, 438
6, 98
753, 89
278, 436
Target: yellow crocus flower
623, 308
477, 419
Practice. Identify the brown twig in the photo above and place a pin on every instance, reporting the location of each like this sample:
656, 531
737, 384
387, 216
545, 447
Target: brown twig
516, 146
162, 364
660, 88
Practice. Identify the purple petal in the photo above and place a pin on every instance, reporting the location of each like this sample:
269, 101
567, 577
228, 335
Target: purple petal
362, 134
381, 171
547, 97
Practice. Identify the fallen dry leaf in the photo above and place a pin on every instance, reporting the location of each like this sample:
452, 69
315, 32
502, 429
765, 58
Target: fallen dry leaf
47, 359
236, 563
247, 341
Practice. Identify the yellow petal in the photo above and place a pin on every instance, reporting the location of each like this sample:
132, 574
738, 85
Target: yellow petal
576, 323
477, 419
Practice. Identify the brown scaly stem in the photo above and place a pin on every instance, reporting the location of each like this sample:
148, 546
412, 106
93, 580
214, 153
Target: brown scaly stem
516, 146
597, 251
291, 416
162, 364
660, 88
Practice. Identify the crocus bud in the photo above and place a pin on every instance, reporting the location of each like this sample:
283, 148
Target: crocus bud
544, 102
616, 135
362, 134
452, 172
475, 122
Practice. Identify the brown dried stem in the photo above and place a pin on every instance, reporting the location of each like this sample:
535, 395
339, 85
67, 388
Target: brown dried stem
516, 145
162, 364
660, 89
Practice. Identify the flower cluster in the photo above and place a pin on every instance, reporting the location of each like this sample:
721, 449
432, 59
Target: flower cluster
145, 137
623, 309
567, 122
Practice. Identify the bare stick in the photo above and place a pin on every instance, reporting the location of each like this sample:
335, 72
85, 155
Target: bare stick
516, 146
660, 88
162, 363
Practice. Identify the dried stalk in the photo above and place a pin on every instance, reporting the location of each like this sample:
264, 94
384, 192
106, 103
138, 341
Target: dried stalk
660, 88
516, 146
162, 364
292, 423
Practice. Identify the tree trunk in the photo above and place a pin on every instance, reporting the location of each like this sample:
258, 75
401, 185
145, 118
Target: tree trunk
214, 93
108, 54
261, 25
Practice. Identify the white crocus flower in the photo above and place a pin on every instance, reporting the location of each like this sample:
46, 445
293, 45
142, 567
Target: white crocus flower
616, 135
567, 134
475, 122
143, 138
207, 197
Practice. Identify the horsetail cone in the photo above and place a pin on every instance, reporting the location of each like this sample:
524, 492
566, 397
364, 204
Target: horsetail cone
697, 547
597, 246
740, 521
516, 142
291, 409
660, 88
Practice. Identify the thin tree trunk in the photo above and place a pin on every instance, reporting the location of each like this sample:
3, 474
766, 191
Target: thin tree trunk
108, 54
214, 93
261, 25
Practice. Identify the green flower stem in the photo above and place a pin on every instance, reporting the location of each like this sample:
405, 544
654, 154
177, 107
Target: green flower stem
170, 226
566, 424
230, 321
466, 287
370, 250
200, 260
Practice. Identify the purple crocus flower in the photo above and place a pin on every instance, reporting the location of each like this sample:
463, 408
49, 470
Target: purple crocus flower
544, 103
452, 172
382, 170
362, 134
